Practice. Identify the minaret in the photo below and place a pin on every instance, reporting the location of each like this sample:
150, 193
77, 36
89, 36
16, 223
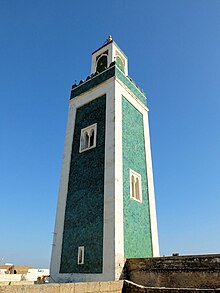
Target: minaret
106, 205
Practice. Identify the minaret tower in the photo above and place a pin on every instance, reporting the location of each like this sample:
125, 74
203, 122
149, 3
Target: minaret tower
106, 206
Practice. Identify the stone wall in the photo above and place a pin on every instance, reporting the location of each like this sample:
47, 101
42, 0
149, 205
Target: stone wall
130, 287
101, 287
98, 287
198, 271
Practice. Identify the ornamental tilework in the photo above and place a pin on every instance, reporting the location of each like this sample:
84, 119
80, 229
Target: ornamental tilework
137, 232
83, 225
130, 85
96, 80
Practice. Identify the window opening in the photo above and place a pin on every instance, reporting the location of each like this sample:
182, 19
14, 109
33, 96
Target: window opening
91, 138
137, 193
80, 260
132, 186
102, 63
88, 138
135, 186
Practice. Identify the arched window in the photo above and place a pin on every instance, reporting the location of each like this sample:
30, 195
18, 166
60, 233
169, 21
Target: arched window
102, 63
132, 186
135, 186
91, 138
137, 192
88, 138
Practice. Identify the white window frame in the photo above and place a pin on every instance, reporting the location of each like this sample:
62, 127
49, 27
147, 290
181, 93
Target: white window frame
87, 130
133, 190
80, 249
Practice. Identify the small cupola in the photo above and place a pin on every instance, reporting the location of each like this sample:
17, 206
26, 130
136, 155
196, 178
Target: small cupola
108, 53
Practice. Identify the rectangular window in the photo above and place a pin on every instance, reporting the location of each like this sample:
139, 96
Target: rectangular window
88, 138
135, 186
80, 260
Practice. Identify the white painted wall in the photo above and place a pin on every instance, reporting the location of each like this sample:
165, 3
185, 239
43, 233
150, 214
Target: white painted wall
119, 216
152, 205
33, 274
10, 277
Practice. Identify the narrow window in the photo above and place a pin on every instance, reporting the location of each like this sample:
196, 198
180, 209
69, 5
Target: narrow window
132, 187
135, 186
91, 138
80, 255
137, 193
88, 138
86, 145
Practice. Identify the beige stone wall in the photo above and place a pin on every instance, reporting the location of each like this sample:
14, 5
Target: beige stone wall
111, 287
201, 271
130, 287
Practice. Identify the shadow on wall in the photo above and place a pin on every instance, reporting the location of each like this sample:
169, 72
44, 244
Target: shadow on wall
194, 271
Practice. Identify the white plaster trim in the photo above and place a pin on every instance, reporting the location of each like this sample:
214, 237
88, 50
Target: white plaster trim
109, 186
119, 213
152, 205
131, 97
61, 204
131, 93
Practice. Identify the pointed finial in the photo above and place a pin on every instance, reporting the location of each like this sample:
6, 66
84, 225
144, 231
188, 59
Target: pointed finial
109, 39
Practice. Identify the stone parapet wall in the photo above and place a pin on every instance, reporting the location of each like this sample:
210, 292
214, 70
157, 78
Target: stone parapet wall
195, 271
98, 287
130, 287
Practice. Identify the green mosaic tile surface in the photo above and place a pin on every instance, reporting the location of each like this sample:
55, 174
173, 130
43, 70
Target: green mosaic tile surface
96, 80
120, 64
137, 233
132, 87
83, 225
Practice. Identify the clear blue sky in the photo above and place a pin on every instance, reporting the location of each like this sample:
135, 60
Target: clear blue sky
174, 54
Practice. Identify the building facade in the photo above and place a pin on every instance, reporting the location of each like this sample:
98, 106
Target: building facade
106, 205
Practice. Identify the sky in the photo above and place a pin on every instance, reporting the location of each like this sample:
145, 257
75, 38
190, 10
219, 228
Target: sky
174, 54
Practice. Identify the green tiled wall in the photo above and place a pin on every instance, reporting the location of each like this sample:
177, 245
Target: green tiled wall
137, 233
83, 225
102, 77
